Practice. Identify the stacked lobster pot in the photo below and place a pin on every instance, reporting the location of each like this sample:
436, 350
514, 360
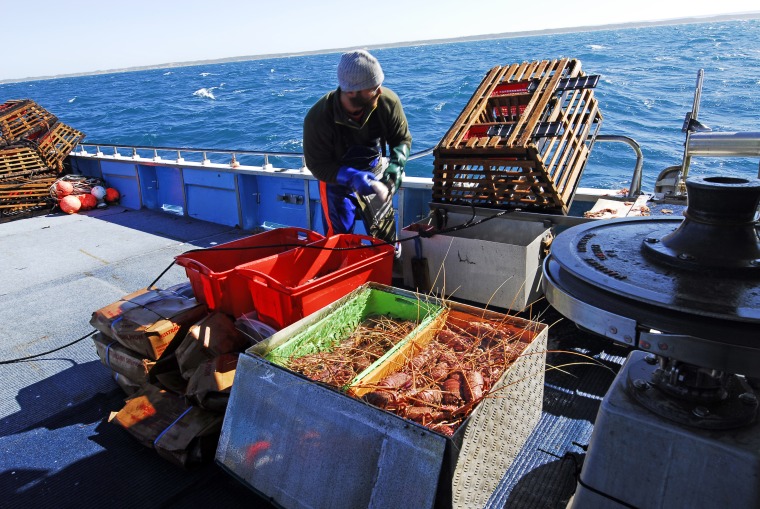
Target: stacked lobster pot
33, 146
519, 145
416, 402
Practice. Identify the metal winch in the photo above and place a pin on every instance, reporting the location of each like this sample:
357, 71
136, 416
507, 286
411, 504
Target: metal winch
686, 293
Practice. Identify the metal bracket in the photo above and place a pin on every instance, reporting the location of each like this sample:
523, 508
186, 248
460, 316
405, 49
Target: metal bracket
293, 199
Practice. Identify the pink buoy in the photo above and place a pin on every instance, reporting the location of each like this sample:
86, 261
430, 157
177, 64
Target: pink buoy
70, 204
63, 188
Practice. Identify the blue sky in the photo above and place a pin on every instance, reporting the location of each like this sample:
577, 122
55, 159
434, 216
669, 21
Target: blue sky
51, 37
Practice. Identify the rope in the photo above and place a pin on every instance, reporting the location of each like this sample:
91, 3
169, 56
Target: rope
80, 183
21, 359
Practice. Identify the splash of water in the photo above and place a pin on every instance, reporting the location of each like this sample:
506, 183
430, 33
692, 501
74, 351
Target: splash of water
205, 92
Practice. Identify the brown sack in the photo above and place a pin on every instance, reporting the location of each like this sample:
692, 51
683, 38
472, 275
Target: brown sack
210, 385
213, 336
150, 328
130, 387
192, 440
103, 317
122, 360
182, 434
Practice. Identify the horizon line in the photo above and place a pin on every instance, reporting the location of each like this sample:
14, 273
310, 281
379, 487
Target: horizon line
469, 38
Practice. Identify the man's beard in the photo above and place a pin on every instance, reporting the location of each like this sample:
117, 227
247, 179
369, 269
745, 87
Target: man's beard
360, 102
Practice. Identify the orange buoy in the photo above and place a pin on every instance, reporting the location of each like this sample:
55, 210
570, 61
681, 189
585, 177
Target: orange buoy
63, 188
112, 195
70, 204
88, 201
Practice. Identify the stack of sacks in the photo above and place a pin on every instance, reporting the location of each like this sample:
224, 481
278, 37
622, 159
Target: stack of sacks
176, 362
207, 359
128, 345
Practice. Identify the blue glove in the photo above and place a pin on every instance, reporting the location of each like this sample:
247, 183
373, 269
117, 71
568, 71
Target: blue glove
359, 181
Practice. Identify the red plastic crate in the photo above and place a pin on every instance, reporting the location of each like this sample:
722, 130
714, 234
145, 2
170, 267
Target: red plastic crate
294, 284
211, 271
520, 87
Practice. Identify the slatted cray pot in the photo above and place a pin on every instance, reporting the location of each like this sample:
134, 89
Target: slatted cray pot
33, 146
21, 118
522, 140
55, 144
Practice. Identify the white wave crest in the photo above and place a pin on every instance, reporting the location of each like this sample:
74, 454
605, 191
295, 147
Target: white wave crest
167, 73
596, 47
204, 74
205, 92
72, 99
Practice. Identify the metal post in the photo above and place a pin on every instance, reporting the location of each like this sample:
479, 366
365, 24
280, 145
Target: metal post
635, 187
681, 182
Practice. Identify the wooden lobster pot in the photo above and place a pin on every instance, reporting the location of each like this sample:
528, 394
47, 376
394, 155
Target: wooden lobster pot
522, 140
20, 118
24, 193
20, 161
55, 144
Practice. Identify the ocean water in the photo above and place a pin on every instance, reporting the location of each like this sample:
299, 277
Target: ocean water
646, 88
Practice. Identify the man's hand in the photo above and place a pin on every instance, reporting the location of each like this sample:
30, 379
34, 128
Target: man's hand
359, 181
394, 174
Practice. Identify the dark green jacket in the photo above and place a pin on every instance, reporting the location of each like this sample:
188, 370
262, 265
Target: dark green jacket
328, 131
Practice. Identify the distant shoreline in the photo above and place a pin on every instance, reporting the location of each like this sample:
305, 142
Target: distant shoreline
506, 35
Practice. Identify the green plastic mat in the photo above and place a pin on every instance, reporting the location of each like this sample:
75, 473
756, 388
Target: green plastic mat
324, 334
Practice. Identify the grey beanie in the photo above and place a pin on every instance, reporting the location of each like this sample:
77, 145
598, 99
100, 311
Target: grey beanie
358, 70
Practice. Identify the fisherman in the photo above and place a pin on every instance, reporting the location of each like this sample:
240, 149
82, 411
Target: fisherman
344, 143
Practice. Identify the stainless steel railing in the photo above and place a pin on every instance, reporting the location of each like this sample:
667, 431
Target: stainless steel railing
235, 158
202, 155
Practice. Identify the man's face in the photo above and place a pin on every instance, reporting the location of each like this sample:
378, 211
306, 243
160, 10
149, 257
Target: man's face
364, 98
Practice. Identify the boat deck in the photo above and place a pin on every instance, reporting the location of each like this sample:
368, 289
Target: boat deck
56, 446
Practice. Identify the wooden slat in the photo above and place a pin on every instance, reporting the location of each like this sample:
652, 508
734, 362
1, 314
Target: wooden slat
547, 86
20, 161
458, 129
537, 69
25, 194
494, 77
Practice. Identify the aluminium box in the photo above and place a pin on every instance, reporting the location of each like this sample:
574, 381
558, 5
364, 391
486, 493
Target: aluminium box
494, 264
303, 444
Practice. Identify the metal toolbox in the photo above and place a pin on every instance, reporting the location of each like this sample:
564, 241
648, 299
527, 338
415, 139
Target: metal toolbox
495, 264
303, 444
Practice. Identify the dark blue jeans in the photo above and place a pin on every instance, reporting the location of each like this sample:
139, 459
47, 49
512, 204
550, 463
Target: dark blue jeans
338, 208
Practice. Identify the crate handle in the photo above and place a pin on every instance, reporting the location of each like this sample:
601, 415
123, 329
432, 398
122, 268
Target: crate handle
256, 277
193, 265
